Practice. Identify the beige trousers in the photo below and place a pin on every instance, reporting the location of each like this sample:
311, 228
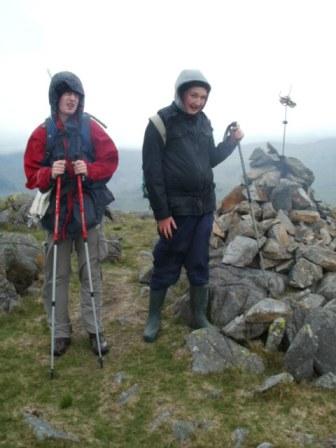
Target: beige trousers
63, 271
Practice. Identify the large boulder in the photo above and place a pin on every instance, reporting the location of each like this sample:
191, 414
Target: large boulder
21, 257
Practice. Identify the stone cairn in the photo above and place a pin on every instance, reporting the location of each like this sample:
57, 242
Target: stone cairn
289, 302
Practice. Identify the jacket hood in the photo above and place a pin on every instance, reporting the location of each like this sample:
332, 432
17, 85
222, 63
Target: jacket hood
59, 83
186, 79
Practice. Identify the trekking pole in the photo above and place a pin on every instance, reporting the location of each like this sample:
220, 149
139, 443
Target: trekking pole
231, 128
87, 257
53, 289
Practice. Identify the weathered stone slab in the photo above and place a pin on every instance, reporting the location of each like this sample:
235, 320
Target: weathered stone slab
267, 310
321, 256
299, 358
214, 353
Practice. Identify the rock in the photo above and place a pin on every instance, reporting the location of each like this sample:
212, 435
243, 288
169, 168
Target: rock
299, 170
160, 420
301, 200
268, 211
274, 251
43, 430
240, 252
327, 286
228, 302
313, 301
183, 430
21, 257
304, 216
276, 332
128, 395
286, 222
304, 274
275, 380
231, 200
323, 325
267, 310
113, 249
299, 359
239, 437
214, 353
9, 298
259, 158
295, 321
331, 306
322, 256
244, 208
240, 330
281, 196
326, 381
279, 233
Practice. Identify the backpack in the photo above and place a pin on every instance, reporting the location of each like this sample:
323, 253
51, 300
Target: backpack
86, 142
161, 128
96, 195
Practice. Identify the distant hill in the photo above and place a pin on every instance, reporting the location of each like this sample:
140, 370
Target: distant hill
126, 183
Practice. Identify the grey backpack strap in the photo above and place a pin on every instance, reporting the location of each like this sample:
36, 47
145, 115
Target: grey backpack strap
160, 126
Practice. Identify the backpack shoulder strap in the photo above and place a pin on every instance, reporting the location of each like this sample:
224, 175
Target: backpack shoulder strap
51, 132
160, 126
95, 119
85, 129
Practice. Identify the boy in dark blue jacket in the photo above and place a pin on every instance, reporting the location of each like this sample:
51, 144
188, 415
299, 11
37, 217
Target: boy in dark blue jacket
178, 156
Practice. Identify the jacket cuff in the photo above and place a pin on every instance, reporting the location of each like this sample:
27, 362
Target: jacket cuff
161, 214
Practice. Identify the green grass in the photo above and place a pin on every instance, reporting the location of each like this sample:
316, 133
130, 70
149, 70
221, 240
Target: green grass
83, 398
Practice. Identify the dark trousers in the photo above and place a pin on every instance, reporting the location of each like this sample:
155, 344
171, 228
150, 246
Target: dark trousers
189, 247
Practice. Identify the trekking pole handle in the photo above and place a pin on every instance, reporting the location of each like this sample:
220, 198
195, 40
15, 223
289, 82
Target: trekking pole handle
231, 128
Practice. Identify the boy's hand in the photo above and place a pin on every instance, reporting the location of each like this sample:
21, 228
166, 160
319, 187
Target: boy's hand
166, 227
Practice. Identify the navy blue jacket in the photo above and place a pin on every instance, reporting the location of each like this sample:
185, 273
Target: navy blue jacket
178, 175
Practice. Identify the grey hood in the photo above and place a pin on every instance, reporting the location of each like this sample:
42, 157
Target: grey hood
186, 78
58, 84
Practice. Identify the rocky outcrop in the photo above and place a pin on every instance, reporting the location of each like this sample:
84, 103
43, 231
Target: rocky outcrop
21, 259
273, 266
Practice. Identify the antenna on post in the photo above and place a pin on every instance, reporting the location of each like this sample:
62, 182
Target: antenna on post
287, 102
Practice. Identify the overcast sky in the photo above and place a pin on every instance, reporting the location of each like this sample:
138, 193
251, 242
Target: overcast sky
128, 54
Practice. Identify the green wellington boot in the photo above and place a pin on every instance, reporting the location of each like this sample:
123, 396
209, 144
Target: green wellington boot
156, 299
199, 304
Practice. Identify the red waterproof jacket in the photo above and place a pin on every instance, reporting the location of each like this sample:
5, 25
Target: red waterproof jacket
39, 176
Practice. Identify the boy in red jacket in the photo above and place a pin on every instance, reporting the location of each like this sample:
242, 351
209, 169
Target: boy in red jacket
71, 144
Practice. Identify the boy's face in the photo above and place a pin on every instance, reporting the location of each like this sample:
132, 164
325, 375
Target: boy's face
194, 100
68, 103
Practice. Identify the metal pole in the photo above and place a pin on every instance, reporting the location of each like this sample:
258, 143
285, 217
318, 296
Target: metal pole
54, 272
87, 257
284, 132
287, 102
